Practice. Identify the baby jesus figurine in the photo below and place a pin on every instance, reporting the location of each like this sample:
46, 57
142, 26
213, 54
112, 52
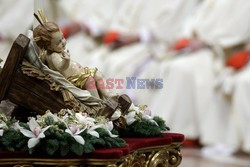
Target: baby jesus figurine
48, 36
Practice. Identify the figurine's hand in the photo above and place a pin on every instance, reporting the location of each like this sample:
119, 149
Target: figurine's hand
66, 54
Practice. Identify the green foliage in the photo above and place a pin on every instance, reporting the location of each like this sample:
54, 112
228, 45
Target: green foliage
9, 123
24, 125
114, 142
59, 142
106, 141
60, 125
88, 147
55, 142
52, 146
161, 123
13, 140
64, 147
144, 128
76, 148
49, 120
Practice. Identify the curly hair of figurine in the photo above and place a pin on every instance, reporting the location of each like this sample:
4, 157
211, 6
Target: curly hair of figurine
42, 34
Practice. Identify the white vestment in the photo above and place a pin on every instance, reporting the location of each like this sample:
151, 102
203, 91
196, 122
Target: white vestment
97, 15
159, 20
187, 101
238, 135
16, 17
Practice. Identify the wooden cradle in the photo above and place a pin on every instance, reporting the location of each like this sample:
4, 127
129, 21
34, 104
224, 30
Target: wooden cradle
31, 93
36, 94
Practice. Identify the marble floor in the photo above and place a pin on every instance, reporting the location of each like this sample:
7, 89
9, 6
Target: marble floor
193, 158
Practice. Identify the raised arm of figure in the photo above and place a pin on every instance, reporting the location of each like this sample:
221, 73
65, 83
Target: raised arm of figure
58, 61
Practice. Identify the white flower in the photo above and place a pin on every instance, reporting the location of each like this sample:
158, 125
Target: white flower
84, 119
130, 117
70, 112
147, 112
109, 126
133, 108
16, 126
2, 125
89, 123
35, 133
65, 117
149, 118
53, 116
74, 131
91, 130
116, 114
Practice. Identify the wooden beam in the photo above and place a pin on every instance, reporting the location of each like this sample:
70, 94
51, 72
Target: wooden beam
14, 59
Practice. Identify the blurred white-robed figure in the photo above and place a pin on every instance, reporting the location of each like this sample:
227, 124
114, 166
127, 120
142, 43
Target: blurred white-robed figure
144, 29
238, 136
15, 17
236, 85
83, 23
93, 19
188, 101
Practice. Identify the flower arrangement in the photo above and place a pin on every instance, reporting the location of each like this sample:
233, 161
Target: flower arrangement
62, 133
68, 131
142, 124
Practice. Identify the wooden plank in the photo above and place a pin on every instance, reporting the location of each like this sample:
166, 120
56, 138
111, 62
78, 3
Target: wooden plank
14, 59
23, 90
30, 100
40, 88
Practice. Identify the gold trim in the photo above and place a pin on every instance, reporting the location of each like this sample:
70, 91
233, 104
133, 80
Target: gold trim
175, 157
42, 16
164, 156
134, 160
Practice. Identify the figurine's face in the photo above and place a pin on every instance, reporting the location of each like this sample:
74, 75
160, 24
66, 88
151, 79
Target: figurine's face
58, 42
